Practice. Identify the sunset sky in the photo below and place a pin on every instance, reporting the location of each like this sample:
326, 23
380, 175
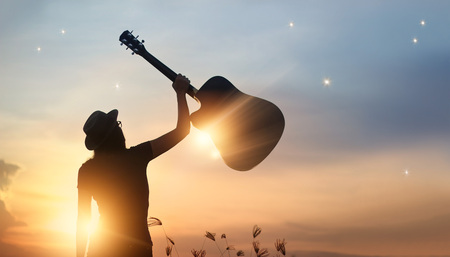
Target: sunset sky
362, 169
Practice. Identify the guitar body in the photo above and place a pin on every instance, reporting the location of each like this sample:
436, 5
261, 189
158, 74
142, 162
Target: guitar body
244, 128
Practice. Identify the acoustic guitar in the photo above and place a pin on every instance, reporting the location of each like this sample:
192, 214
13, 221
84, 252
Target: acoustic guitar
244, 128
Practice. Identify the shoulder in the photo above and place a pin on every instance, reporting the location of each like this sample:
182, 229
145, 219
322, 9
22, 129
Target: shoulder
84, 172
143, 151
86, 166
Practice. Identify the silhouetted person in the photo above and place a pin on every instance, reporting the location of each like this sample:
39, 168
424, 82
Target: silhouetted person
116, 178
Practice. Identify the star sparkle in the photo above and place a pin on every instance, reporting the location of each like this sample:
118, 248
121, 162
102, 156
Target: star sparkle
291, 24
415, 40
326, 82
406, 172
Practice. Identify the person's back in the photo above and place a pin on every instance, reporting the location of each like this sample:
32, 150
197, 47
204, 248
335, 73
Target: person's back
118, 182
116, 177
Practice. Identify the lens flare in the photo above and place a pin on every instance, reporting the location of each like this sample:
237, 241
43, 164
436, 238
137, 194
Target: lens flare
244, 129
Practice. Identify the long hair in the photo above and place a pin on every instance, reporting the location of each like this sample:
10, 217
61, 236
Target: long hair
114, 142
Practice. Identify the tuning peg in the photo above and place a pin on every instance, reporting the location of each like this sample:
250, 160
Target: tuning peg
143, 41
121, 44
132, 53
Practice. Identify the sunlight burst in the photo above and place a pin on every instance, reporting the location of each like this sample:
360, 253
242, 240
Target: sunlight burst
63, 31
422, 23
415, 40
93, 226
38, 49
203, 138
291, 24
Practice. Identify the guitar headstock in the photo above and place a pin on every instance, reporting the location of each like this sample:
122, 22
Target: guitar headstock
132, 42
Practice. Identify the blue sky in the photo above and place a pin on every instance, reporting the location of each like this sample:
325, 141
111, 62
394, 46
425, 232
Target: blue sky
361, 169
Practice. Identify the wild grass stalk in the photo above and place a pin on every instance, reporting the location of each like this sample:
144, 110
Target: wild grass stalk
256, 231
280, 245
229, 247
212, 236
152, 221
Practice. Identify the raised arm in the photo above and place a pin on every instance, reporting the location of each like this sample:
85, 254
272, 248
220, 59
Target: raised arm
163, 143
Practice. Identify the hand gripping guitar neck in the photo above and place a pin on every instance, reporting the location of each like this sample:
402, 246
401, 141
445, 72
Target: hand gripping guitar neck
244, 128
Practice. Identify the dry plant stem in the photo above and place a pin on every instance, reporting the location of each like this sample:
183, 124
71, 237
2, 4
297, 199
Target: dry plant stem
220, 251
256, 231
212, 236
280, 245
153, 221
203, 245
167, 240
226, 241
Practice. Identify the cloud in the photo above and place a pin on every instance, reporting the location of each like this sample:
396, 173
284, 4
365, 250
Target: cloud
9, 250
325, 254
410, 101
374, 103
7, 171
418, 236
6, 219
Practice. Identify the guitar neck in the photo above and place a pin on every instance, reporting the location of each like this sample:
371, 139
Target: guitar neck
170, 74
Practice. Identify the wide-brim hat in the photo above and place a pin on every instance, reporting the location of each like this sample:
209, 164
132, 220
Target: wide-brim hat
98, 127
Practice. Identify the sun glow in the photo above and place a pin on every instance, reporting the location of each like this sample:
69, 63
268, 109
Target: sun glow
203, 138
92, 226
94, 223
215, 154
64, 222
